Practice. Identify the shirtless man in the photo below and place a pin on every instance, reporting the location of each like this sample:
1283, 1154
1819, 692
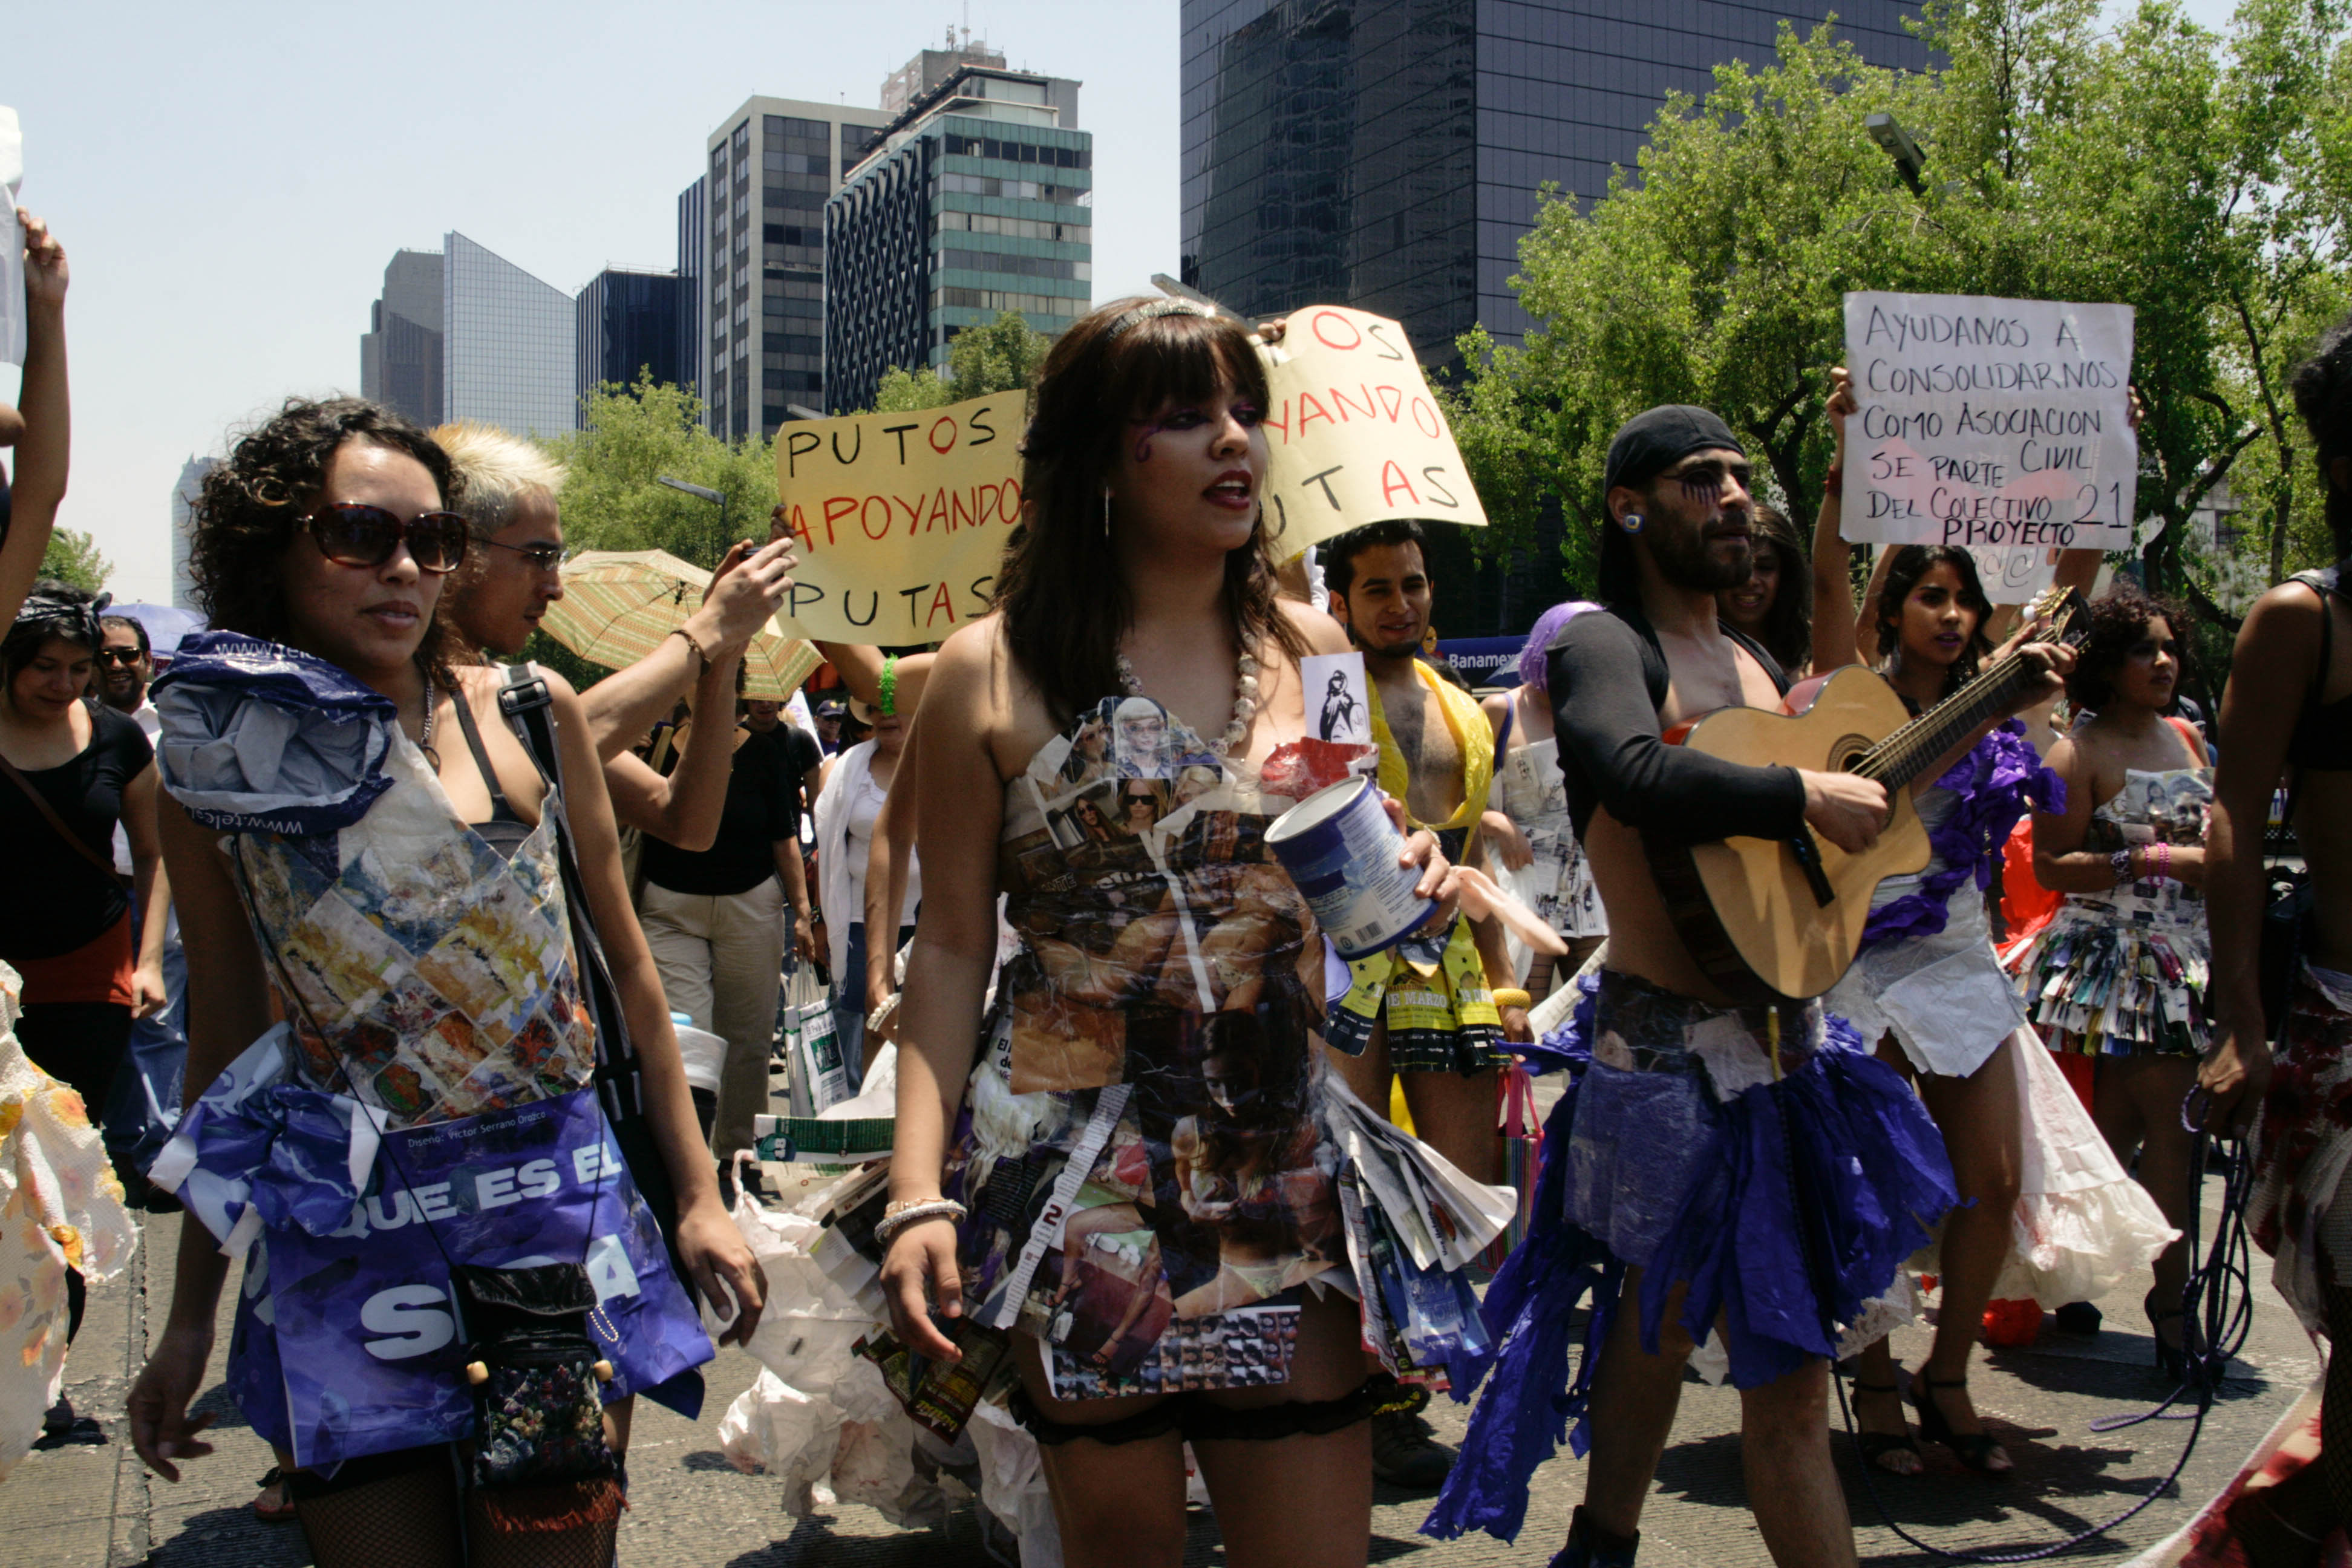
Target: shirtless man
1433, 1009
1672, 1053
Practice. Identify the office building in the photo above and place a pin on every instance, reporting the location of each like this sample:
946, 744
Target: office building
628, 321
1387, 153
185, 490
400, 354
693, 214
978, 199
463, 333
755, 253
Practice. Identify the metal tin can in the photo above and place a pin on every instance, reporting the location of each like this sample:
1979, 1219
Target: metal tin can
1342, 849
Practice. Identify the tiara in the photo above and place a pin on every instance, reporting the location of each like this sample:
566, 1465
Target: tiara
1171, 307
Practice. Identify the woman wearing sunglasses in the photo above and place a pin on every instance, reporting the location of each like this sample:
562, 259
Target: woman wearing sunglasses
359, 838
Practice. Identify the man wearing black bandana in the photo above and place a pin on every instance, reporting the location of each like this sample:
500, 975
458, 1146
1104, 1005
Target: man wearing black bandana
1650, 1176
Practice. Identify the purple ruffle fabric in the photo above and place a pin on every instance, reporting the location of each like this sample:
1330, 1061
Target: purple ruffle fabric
1827, 1181
1996, 780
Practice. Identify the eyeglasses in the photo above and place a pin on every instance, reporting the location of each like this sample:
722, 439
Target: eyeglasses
122, 656
351, 533
542, 557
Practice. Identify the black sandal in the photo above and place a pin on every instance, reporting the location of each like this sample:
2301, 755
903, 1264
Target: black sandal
1876, 1445
1974, 1450
2170, 1359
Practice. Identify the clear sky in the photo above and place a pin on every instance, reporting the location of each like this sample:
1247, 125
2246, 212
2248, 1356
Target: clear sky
230, 179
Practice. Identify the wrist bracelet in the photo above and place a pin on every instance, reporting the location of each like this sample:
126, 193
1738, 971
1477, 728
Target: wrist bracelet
1512, 997
888, 705
897, 1216
2120, 861
682, 632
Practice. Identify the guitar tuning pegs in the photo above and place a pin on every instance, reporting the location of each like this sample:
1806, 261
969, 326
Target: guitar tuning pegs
476, 1372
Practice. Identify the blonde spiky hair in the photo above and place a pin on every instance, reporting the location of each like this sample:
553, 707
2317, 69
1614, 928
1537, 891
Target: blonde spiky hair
501, 471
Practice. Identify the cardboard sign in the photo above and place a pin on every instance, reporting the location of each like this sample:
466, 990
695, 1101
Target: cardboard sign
1354, 435
1989, 422
900, 519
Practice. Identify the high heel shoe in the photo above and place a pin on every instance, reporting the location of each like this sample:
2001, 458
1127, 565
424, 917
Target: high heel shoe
1877, 1446
2170, 1360
1590, 1546
1972, 1450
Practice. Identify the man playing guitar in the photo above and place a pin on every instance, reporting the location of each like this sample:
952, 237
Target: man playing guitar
1679, 1073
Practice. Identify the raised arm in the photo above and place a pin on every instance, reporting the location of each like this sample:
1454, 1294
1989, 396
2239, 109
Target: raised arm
861, 671
1833, 630
683, 808
45, 448
2275, 663
749, 587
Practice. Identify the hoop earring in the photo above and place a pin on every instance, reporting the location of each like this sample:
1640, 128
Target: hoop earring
1631, 522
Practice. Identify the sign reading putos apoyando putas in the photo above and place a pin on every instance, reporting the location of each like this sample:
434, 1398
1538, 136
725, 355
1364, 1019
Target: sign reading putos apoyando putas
1353, 434
899, 519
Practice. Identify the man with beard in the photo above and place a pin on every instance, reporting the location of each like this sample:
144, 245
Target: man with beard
1432, 1009
1691, 1140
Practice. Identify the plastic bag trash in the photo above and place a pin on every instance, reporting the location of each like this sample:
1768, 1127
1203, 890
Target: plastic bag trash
1012, 1485
775, 1427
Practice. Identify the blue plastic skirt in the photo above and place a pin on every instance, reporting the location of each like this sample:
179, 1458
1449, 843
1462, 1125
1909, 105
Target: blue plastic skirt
1783, 1209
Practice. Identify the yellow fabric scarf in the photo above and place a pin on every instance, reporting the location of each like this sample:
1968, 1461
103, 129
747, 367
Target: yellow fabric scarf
1471, 734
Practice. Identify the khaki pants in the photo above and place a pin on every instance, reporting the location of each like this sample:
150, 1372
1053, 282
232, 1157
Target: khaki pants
720, 960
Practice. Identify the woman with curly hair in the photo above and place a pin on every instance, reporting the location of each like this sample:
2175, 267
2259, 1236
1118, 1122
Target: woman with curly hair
2119, 973
401, 902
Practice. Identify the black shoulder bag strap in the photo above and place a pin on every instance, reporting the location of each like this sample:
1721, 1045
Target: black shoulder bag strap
529, 707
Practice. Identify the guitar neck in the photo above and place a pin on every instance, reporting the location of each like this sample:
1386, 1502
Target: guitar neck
1902, 757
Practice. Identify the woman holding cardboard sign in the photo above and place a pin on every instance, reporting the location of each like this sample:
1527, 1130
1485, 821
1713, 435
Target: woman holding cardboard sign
1143, 570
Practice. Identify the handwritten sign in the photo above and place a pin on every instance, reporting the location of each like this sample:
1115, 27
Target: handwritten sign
1354, 435
1989, 422
899, 519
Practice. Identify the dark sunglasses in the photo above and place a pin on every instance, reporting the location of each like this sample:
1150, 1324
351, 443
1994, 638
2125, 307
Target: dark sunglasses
124, 656
542, 557
351, 534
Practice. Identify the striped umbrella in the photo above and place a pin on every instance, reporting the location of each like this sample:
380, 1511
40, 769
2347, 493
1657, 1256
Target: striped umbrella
618, 605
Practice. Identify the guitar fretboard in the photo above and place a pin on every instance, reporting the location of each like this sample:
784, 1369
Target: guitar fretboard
1899, 758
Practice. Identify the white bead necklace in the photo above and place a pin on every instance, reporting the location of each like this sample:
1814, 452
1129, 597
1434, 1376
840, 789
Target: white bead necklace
1235, 739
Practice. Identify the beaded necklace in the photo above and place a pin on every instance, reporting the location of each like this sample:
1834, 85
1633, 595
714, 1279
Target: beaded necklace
1237, 736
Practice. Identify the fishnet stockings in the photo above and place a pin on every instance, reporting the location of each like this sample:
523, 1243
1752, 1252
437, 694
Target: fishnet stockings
402, 1521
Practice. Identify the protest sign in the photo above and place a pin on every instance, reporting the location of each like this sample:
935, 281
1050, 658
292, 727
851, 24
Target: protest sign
1988, 422
1353, 433
12, 241
899, 519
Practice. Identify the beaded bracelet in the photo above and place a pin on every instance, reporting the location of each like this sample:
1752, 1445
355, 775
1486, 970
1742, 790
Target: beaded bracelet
888, 705
896, 1220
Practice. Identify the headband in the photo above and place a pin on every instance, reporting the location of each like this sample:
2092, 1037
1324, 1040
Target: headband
1157, 308
82, 616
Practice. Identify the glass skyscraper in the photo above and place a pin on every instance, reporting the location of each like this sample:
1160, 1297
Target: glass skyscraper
1386, 153
628, 324
508, 344
978, 200
400, 354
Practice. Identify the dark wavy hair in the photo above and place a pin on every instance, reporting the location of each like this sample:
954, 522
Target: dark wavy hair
247, 512
2118, 623
2322, 387
1064, 604
1911, 563
1789, 624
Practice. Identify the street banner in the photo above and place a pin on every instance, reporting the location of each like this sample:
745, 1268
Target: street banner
899, 519
1354, 435
1990, 423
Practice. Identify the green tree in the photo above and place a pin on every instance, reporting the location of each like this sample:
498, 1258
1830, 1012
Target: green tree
635, 436
1001, 357
2154, 164
72, 557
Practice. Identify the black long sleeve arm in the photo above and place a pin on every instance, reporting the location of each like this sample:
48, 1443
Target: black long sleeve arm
1612, 751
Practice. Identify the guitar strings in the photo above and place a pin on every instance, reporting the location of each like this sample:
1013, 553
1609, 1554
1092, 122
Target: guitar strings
1896, 758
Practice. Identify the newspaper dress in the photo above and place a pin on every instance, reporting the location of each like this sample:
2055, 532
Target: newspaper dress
1155, 1162
1557, 882
2123, 972
427, 1103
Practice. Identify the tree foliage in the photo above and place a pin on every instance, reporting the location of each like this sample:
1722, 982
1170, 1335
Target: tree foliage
1001, 357
636, 435
72, 557
2200, 178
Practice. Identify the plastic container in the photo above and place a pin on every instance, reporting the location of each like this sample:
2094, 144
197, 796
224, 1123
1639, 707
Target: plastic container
1342, 849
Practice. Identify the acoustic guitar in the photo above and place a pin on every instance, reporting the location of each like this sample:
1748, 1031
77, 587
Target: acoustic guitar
1767, 918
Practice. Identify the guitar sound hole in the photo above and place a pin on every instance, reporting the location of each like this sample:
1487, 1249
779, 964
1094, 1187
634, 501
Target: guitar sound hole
1849, 751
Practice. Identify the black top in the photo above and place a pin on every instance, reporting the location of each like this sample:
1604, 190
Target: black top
58, 900
762, 809
2323, 731
800, 749
1608, 678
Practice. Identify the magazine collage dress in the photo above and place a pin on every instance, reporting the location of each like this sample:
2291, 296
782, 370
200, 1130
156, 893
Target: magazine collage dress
1154, 1158
426, 1104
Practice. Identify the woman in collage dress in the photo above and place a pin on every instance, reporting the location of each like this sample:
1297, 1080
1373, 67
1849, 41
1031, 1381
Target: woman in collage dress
1151, 1077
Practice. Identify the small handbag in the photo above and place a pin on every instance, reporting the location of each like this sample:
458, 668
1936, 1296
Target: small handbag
536, 1375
